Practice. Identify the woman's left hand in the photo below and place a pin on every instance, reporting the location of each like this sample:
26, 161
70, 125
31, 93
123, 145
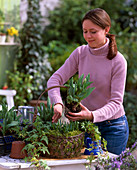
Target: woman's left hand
83, 114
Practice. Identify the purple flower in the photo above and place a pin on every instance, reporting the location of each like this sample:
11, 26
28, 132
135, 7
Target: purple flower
134, 145
117, 164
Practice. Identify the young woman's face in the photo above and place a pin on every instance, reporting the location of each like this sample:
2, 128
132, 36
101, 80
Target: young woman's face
94, 35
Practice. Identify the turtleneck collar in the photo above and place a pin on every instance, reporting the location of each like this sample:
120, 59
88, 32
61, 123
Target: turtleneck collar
101, 51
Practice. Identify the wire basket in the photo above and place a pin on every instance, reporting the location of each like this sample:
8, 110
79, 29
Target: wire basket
61, 146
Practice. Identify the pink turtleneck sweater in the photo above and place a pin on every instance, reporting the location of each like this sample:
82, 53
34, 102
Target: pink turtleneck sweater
108, 76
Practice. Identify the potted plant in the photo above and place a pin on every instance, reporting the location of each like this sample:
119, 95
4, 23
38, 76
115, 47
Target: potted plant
2, 35
126, 160
60, 140
34, 134
93, 139
9, 120
65, 140
12, 33
76, 92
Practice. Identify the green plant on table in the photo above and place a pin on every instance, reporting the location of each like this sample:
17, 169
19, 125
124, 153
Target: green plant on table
124, 161
77, 91
92, 130
64, 129
10, 119
36, 142
35, 134
65, 140
46, 113
35, 138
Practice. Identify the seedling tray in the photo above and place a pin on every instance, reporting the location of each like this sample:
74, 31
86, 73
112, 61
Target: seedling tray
6, 143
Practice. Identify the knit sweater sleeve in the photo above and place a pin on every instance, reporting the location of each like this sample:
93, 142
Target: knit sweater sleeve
118, 80
61, 76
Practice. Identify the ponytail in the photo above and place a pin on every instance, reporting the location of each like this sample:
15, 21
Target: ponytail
112, 46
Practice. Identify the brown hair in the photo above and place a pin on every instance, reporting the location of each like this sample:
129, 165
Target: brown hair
101, 18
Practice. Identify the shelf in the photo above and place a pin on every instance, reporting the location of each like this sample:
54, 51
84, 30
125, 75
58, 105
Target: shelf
8, 44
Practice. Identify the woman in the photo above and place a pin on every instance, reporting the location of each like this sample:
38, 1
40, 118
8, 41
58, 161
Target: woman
107, 68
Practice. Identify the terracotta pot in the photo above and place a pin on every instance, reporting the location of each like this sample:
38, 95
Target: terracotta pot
16, 150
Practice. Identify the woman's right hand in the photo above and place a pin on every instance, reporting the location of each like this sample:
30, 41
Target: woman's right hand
58, 108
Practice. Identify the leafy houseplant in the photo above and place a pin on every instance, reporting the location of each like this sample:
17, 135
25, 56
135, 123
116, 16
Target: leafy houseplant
93, 139
10, 119
65, 140
52, 140
77, 91
35, 134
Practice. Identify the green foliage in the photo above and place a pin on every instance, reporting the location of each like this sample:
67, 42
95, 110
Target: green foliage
46, 112
22, 83
37, 142
130, 105
37, 135
2, 17
127, 43
55, 48
65, 129
123, 161
92, 130
32, 59
65, 22
10, 119
78, 90
128, 16
40, 163
123, 19
3, 31
36, 139
58, 52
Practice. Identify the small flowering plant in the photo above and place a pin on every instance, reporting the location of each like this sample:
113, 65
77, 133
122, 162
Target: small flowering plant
125, 160
12, 31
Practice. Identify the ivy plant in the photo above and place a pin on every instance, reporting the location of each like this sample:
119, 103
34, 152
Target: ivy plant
32, 57
92, 130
